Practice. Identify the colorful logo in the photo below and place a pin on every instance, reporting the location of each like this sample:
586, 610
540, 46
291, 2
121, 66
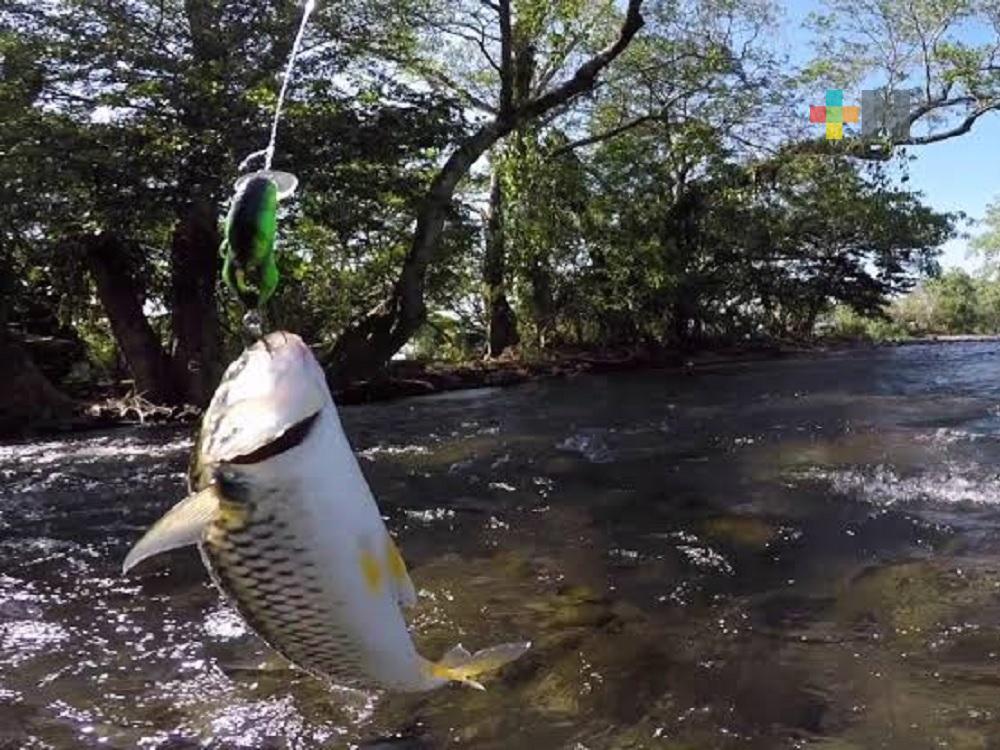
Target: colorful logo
834, 114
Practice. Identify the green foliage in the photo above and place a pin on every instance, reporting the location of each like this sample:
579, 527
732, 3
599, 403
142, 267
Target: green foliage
954, 296
544, 209
931, 48
102, 353
954, 303
104, 131
844, 323
987, 243
446, 337
718, 257
642, 213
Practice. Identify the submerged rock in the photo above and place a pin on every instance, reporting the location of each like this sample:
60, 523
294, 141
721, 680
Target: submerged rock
741, 531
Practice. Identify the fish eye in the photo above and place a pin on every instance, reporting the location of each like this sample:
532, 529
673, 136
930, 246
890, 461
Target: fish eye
290, 438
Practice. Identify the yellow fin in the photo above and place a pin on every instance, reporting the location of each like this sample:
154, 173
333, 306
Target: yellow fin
458, 665
180, 526
406, 594
371, 571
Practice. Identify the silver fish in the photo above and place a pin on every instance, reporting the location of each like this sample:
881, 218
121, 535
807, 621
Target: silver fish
291, 533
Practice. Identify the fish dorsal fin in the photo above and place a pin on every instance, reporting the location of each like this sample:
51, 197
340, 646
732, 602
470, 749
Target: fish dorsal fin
180, 526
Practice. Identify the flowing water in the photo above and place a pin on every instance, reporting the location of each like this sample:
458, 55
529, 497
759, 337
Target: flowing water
789, 554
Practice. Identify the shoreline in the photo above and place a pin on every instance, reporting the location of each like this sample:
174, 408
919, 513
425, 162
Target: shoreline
406, 379
944, 338
409, 378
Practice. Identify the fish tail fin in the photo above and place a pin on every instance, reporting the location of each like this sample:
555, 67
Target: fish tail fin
458, 665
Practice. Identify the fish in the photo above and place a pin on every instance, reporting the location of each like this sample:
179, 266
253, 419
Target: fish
291, 534
250, 267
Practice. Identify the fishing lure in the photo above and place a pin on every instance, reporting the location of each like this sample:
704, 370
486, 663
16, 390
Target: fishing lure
249, 267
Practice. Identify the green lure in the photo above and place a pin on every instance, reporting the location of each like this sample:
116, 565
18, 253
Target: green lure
249, 266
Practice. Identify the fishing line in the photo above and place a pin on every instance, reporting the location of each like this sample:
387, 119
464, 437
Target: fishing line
249, 266
268, 152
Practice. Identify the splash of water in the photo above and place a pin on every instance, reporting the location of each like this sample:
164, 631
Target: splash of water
268, 153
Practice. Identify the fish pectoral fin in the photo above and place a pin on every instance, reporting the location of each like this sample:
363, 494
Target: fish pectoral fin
458, 665
180, 526
406, 593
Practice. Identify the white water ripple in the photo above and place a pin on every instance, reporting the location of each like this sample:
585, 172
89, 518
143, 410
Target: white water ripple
883, 486
590, 444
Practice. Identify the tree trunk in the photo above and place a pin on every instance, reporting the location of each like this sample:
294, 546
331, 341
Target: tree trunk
502, 321
118, 292
27, 396
366, 345
684, 317
194, 316
369, 343
542, 303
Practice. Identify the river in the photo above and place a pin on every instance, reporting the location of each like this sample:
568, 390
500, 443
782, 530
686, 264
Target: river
798, 553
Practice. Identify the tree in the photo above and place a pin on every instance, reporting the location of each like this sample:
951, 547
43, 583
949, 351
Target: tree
629, 199
123, 146
914, 46
27, 393
370, 341
849, 239
954, 295
502, 330
725, 256
987, 243
689, 91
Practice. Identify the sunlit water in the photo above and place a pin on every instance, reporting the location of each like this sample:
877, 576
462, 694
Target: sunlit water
790, 554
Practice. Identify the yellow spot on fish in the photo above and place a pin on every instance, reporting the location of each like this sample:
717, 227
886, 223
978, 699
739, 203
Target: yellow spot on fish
230, 517
396, 565
371, 571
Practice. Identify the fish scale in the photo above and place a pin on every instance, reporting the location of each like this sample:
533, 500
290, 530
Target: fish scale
280, 599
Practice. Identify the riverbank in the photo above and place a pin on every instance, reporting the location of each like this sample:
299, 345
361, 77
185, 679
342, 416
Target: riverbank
408, 378
963, 338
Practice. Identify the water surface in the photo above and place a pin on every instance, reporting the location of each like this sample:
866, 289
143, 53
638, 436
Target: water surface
799, 553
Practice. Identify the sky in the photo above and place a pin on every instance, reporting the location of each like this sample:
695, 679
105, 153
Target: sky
959, 174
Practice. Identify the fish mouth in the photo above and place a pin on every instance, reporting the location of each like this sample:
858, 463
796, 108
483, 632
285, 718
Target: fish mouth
275, 341
290, 438
264, 403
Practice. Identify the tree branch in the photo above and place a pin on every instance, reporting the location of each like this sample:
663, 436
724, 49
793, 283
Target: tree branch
941, 103
439, 78
962, 128
606, 135
624, 127
587, 73
368, 343
506, 60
